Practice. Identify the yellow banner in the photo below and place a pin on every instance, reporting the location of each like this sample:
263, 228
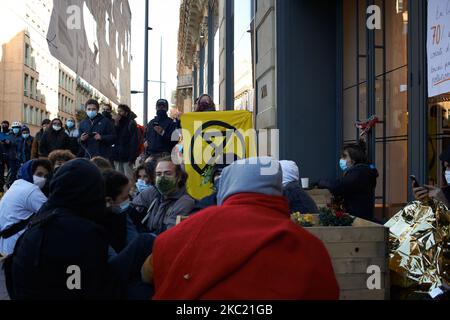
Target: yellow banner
210, 138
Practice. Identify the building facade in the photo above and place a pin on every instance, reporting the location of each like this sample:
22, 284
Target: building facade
317, 67
46, 70
203, 67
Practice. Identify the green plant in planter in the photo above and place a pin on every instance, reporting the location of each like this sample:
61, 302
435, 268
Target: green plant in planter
328, 217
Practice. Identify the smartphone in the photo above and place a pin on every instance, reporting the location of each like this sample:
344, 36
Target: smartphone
414, 181
156, 124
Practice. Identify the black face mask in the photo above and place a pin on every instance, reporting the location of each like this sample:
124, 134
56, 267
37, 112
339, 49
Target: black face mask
5, 129
162, 114
107, 114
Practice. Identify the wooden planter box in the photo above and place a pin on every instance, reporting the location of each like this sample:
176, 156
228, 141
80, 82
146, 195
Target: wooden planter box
353, 250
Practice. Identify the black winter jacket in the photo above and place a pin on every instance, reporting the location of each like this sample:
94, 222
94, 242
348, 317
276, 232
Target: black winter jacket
299, 200
53, 140
160, 144
357, 188
126, 147
105, 128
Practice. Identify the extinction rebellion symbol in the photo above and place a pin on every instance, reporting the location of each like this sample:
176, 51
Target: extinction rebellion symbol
218, 140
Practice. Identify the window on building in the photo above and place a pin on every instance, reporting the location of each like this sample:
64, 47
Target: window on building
390, 95
24, 113
27, 54
32, 88
243, 55
39, 117
26, 88
31, 119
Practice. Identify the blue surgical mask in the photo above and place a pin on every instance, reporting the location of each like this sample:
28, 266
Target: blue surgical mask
122, 207
141, 185
343, 164
91, 114
70, 124
25, 135
16, 130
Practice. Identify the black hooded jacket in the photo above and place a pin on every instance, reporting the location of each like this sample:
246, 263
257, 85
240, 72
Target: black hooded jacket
160, 143
126, 147
357, 189
66, 232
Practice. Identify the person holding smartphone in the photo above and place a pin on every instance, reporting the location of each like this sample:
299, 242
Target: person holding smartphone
442, 194
158, 136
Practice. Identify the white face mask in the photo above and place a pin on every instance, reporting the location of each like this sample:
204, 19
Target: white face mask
39, 181
447, 176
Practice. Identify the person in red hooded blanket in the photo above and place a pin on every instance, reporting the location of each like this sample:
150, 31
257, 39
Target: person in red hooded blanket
246, 248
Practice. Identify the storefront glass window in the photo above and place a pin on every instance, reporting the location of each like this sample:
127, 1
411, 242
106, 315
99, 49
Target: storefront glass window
391, 95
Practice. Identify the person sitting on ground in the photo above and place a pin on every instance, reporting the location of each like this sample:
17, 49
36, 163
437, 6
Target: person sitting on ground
24, 199
67, 231
102, 163
299, 200
59, 157
144, 177
247, 248
167, 200
120, 228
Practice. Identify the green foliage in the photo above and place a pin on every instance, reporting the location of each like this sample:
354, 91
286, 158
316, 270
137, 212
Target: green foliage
328, 217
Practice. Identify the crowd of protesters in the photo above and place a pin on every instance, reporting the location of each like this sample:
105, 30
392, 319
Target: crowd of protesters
107, 198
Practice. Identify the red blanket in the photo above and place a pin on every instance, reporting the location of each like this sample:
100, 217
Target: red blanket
247, 249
